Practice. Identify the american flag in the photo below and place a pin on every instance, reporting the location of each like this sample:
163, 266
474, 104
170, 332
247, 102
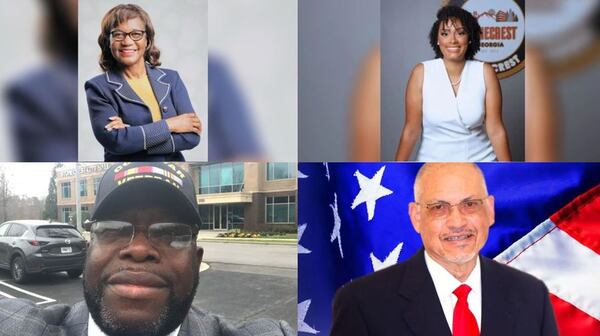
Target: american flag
354, 220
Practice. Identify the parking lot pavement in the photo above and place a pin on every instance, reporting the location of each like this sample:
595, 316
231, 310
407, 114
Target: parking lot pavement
284, 256
241, 283
45, 289
248, 293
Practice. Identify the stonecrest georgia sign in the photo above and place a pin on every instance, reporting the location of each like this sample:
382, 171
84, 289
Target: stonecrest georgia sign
502, 33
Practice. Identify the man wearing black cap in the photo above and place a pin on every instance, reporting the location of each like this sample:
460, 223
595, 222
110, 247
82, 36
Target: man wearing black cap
141, 270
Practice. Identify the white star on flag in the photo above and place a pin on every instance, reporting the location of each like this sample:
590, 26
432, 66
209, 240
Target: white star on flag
302, 249
370, 191
302, 310
337, 224
326, 170
301, 175
390, 260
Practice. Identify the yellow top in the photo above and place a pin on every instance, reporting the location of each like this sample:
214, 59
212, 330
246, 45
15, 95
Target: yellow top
141, 86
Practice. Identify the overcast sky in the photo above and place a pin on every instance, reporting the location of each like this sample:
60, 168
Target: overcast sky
29, 179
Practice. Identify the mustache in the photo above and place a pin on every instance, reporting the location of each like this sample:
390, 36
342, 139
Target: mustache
458, 232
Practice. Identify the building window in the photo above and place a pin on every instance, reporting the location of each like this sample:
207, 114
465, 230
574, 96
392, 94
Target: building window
281, 209
206, 216
85, 212
66, 215
281, 171
66, 189
82, 188
221, 178
96, 184
235, 216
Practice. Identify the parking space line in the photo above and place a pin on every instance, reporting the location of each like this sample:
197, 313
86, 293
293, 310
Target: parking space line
6, 295
46, 299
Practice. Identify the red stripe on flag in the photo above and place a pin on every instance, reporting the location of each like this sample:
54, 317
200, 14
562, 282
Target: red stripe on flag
572, 321
580, 219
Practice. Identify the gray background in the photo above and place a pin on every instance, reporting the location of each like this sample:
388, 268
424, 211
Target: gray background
334, 37
405, 28
181, 36
258, 39
579, 114
552, 30
25, 55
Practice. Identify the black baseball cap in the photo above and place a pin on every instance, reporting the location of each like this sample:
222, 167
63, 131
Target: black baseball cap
164, 182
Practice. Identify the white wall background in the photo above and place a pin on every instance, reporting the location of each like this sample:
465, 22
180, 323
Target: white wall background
258, 39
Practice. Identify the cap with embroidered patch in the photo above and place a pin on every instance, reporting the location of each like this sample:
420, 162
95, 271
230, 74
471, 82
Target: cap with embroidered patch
160, 181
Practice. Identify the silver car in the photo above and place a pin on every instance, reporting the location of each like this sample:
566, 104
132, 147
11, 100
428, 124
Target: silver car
35, 246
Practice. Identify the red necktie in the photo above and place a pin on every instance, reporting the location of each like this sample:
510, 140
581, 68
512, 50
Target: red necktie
463, 323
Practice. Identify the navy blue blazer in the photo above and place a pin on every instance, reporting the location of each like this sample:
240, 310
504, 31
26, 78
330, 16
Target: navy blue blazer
43, 113
226, 103
109, 95
402, 300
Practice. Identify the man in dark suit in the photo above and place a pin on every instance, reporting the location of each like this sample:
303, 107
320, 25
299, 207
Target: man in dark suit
446, 288
142, 265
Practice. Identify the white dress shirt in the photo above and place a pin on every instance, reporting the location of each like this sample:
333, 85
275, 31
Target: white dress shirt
445, 284
94, 330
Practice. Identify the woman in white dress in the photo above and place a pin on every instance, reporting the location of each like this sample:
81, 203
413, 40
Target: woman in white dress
453, 103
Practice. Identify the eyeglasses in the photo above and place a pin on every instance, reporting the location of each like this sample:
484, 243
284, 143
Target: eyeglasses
441, 209
136, 35
165, 236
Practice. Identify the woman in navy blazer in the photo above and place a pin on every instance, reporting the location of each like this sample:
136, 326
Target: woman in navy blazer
122, 121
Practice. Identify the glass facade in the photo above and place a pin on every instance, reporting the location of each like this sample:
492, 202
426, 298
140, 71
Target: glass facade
222, 216
280, 209
221, 178
235, 216
66, 189
281, 171
206, 216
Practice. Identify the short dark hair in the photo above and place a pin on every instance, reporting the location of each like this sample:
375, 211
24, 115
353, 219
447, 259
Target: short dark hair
470, 24
115, 17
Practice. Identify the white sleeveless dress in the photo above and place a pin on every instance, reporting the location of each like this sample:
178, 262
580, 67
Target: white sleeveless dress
454, 126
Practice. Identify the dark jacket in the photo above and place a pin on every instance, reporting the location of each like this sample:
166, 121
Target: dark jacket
109, 95
42, 108
402, 300
227, 140
24, 318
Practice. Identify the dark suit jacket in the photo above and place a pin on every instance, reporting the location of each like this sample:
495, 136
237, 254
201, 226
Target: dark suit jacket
42, 108
23, 318
109, 95
402, 300
226, 104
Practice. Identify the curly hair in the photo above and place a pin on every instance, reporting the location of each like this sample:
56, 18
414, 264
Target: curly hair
470, 24
111, 20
